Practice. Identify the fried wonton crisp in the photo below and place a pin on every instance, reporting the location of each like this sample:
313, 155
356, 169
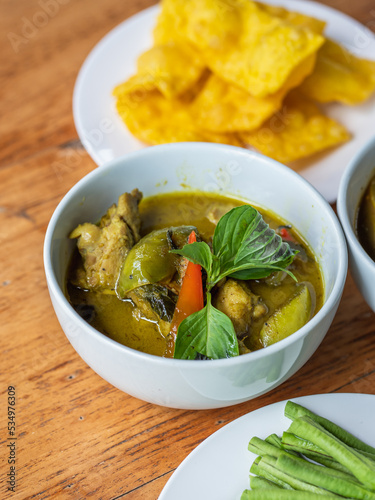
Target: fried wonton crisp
242, 72
240, 41
154, 119
296, 18
171, 68
340, 76
297, 131
171, 22
224, 107
264, 50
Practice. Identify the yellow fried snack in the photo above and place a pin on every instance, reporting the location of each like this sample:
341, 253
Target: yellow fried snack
245, 45
136, 84
140, 84
272, 54
154, 119
193, 20
171, 22
340, 76
173, 69
295, 18
224, 71
224, 107
299, 130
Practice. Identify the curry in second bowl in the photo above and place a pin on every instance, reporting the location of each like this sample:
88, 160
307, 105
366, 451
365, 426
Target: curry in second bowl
193, 275
366, 219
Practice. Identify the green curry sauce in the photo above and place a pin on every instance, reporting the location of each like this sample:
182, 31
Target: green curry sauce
366, 219
122, 322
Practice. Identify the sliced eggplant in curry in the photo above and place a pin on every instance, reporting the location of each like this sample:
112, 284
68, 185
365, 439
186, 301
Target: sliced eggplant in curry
290, 317
155, 303
150, 260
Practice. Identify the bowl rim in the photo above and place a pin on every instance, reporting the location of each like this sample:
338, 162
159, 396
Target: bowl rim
347, 224
329, 304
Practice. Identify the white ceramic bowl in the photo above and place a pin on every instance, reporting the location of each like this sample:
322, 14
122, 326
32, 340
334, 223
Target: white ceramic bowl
234, 171
354, 181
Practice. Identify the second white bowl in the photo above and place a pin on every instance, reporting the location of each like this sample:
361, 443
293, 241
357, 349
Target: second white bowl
354, 181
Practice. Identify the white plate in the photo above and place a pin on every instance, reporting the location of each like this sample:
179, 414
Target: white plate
113, 60
219, 467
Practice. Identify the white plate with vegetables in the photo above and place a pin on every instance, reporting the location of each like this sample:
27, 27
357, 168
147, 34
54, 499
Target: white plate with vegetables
219, 467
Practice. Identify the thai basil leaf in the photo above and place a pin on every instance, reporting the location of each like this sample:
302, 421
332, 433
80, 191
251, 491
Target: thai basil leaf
208, 333
198, 253
244, 247
247, 248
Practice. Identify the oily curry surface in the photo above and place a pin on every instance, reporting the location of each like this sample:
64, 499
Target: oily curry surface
257, 308
366, 219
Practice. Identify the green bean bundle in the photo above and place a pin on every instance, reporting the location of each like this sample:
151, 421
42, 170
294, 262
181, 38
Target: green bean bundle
313, 458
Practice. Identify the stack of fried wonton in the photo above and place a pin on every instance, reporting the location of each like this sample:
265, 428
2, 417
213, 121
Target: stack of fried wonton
244, 73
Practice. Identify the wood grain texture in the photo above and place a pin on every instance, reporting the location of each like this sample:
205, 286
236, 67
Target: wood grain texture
77, 436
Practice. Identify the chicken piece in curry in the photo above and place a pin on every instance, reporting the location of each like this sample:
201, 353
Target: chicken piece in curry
132, 249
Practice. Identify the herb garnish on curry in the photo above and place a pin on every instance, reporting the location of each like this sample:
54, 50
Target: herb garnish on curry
192, 276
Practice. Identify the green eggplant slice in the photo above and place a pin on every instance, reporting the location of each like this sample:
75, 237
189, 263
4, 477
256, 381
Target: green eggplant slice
289, 318
150, 260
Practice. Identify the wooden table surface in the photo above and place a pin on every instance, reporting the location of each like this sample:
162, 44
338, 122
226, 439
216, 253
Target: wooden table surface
77, 436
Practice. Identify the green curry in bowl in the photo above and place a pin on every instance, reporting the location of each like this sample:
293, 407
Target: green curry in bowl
260, 280
366, 220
